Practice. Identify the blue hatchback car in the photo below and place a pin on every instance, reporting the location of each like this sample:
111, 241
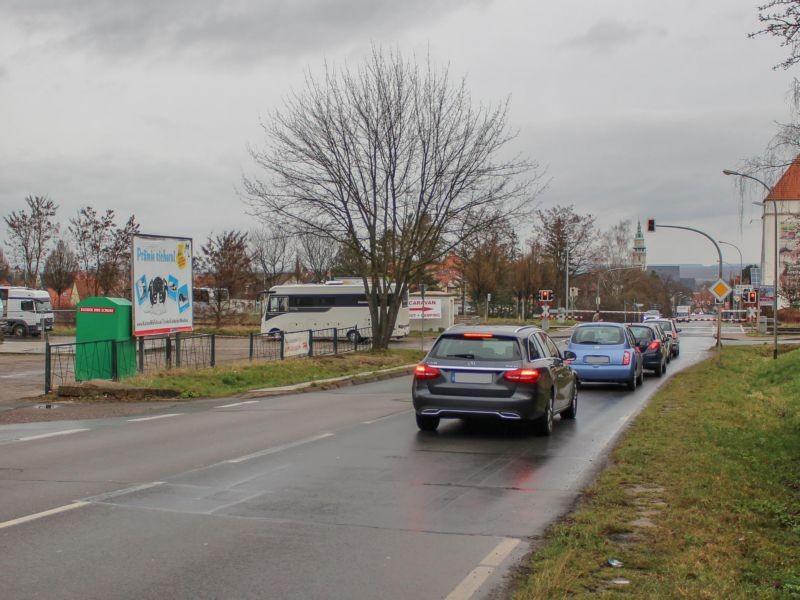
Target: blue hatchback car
605, 352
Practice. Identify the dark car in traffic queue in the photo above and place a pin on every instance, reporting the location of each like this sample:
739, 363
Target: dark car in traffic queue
672, 330
653, 346
604, 352
499, 372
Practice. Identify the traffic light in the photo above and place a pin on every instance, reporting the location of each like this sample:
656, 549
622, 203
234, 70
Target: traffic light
651, 224
752, 297
546, 295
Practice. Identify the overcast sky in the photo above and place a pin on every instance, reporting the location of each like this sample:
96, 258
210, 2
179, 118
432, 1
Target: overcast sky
634, 106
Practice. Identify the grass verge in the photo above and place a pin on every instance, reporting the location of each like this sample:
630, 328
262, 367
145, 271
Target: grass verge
232, 379
703, 496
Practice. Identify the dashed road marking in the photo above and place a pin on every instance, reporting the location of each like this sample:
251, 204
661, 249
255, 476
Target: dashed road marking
478, 576
154, 418
41, 515
237, 404
276, 449
42, 436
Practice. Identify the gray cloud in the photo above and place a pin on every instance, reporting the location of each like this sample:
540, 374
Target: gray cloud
606, 36
242, 31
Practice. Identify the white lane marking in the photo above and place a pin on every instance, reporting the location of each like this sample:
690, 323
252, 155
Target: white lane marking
385, 417
122, 492
41, 515
237, 404
154, 418
276, 449
478, 576
41, 436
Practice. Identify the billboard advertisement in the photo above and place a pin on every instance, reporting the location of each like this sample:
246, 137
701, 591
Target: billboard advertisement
789, 261
162, 284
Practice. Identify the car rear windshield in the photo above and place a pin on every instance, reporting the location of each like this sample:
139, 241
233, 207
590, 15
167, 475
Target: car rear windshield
489, 349
598, 335
665, 325
642, 333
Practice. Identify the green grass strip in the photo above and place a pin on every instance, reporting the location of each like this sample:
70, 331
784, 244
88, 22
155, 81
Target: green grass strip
702, 496
231, 379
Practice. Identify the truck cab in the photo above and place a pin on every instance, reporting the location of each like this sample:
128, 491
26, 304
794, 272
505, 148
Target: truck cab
25, 311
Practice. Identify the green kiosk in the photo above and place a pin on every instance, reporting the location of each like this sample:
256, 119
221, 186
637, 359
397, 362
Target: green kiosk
98, 320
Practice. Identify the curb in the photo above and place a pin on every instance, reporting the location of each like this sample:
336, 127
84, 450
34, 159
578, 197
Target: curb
332, 383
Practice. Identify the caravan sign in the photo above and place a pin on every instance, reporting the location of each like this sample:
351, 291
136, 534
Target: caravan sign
430, 309
161, 273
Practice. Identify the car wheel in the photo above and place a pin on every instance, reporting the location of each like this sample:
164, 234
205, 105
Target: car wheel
677, 352
19, 331
572, 410
631, 383
660, 369
427, 423
544, 425
640, 379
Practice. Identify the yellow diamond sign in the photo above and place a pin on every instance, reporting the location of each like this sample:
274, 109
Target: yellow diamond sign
720, 289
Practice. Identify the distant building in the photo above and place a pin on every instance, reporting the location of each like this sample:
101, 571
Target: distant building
667, 272
639, 249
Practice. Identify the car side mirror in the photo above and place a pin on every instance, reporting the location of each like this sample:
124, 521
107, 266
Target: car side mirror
569, 355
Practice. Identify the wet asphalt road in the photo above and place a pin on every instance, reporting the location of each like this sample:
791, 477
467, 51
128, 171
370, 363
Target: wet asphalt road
322, 495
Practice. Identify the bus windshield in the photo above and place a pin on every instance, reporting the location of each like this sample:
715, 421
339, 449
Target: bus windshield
278, 304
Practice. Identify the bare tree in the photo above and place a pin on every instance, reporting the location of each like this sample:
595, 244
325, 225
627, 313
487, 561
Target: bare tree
103, 249
30, 233
531, 271
5, 269
318, 254
59, 269
393, 162
272, 253
781, 18
486, 261
226, 259
569, 241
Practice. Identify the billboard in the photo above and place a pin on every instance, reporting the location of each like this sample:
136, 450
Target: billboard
161, 269
432, 309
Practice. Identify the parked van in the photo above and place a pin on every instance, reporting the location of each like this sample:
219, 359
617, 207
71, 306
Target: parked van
26, 311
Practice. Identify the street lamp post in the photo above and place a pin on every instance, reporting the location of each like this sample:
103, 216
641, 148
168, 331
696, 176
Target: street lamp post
775, 265
741, 264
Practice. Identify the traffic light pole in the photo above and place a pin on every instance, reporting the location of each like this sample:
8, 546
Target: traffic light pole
719, 253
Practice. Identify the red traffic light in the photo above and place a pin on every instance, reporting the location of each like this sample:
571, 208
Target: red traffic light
651, 224
546, 295
752, 297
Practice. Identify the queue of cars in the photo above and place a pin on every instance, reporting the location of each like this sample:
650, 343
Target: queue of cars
515, 373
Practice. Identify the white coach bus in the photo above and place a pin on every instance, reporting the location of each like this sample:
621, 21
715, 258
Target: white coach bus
322, 306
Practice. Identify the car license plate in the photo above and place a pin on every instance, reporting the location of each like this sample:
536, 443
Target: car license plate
597, 360
461, 377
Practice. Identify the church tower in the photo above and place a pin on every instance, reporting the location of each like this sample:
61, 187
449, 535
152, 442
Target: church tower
639, 249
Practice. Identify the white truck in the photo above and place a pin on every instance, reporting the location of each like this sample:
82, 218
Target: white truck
682, 313
25, 311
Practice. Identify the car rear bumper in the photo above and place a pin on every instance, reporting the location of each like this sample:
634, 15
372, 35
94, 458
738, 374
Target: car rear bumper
515, 408
604, 372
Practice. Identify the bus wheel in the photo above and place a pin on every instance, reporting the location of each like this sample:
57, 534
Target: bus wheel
353, 337
274, 333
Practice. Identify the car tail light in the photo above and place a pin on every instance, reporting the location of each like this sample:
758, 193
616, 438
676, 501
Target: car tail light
423, 371
522, 375
654, 345
626, 358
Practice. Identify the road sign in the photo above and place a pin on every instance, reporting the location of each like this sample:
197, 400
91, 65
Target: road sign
720, 289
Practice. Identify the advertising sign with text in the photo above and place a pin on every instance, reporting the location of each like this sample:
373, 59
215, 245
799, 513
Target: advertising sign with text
161, 272
432, 309
295, 344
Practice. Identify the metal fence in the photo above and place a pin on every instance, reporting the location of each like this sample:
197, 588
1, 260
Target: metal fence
107, 359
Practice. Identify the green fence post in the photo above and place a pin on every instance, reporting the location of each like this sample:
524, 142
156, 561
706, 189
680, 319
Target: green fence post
213, 349
47, 368
114, 370
356, 338
335, 340
140, 340
311, 342
251, 345
178, 349
168, 357
282, 340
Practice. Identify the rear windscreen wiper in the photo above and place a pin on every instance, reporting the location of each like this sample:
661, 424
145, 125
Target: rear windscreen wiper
470, 356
